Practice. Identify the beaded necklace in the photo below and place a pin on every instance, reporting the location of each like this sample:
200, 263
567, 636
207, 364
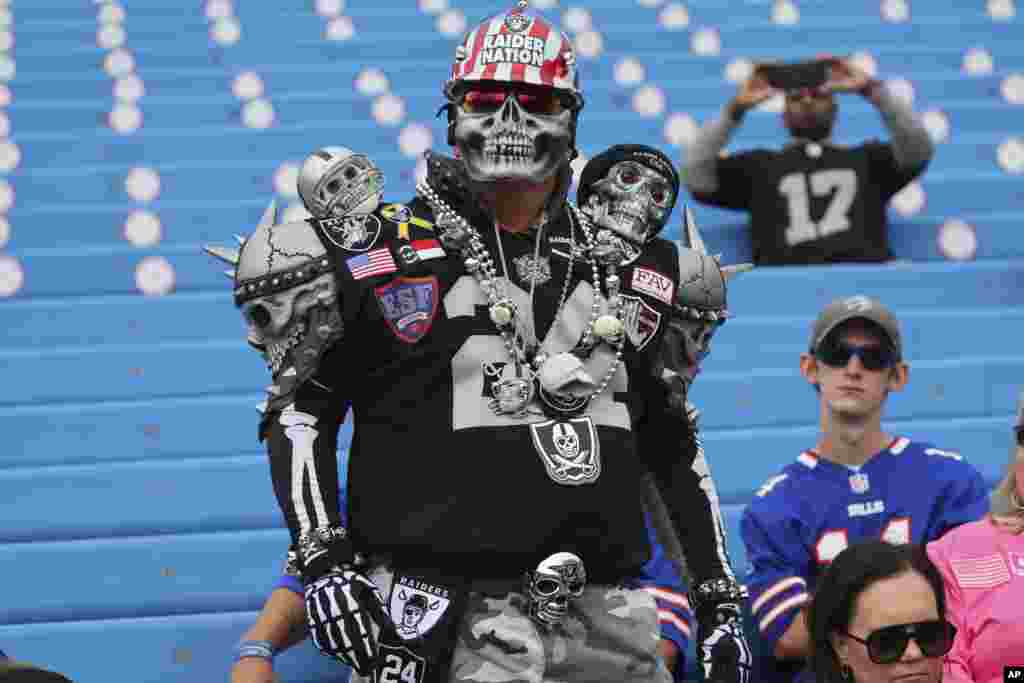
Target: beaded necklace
536, 372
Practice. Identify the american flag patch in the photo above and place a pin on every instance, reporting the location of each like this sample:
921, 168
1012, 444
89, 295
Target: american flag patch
376, 262
981, 572
428, 249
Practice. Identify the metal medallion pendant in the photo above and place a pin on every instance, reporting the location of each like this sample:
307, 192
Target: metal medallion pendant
533, 271
569, 448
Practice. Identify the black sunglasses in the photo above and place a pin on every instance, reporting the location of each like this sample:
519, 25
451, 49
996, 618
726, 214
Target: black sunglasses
1019, 429
838, 354
887, 645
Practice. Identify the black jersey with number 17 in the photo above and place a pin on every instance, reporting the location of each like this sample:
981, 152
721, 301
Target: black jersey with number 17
813, 202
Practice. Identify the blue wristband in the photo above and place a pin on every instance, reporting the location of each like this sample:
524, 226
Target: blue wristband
263, 649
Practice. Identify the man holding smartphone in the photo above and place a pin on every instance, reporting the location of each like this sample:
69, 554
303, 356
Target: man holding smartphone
812, 201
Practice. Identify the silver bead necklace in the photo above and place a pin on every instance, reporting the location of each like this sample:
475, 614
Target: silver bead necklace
536, 371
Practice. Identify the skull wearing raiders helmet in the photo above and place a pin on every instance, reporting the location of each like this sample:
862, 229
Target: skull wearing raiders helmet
513, 99
557, 580
630, 190
335, 181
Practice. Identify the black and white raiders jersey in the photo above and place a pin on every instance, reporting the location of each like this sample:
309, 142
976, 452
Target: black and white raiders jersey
813, 203
436, 473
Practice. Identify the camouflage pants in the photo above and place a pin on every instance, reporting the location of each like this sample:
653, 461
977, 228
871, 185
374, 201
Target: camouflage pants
611, 634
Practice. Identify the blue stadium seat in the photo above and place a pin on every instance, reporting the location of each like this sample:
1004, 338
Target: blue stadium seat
131, 420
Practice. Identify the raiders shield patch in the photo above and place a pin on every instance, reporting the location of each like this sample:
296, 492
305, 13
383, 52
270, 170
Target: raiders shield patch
640, 319
409, 306
416, 606
569, 449
353, 233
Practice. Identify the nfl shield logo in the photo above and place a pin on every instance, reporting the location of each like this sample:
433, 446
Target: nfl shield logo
416, 606
640, 319
409, 306
569, 449
859, 482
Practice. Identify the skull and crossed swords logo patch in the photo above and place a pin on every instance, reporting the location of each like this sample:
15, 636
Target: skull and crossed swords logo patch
569, 449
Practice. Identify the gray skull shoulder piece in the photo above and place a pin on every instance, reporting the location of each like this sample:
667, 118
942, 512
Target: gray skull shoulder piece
629, 189
286, 289
556, 580
699, 309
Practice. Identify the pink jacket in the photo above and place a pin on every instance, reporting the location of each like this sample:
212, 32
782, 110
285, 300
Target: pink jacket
983, 569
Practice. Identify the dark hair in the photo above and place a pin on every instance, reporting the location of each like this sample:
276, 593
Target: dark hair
854, 570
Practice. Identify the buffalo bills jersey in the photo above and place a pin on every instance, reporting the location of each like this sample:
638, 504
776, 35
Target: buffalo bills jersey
660, 578
802, 518
813, 202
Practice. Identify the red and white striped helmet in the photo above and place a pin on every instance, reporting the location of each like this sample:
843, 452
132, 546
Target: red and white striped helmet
516, 47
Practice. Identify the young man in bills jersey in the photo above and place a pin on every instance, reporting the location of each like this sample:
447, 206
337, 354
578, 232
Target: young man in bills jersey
812, 201
857, 483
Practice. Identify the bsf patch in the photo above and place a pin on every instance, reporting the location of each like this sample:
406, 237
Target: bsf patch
653, 283
409, 306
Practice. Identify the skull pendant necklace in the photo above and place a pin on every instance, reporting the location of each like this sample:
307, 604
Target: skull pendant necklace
536, 372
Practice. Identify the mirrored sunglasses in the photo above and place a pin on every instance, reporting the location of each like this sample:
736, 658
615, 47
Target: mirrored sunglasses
489, 99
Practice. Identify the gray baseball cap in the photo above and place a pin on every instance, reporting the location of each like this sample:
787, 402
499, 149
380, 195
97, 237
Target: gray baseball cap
849, 308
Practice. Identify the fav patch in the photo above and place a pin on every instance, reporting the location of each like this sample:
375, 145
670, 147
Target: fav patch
400, 664
377, 262
409, 306
352, 233
416, 606
653, 283
569, 449
641, 320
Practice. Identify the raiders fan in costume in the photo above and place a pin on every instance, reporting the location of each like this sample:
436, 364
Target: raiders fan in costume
506, 409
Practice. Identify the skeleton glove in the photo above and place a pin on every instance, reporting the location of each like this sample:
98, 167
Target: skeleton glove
345, 612
722, 647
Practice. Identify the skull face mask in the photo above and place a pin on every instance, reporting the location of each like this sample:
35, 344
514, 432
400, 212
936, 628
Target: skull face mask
335, 181
631, 200
513, 98
557, 580
513, 132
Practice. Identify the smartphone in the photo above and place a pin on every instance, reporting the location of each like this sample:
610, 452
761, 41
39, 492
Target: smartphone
796, 75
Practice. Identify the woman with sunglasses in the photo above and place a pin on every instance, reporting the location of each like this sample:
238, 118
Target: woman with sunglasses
982, 564
879, 615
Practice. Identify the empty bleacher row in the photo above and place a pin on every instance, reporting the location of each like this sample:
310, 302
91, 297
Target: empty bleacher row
138, 526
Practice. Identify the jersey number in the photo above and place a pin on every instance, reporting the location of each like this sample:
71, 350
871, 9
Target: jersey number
835, 541
798, 188
396, 670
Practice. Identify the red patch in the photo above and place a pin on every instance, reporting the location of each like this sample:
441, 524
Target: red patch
409, 306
